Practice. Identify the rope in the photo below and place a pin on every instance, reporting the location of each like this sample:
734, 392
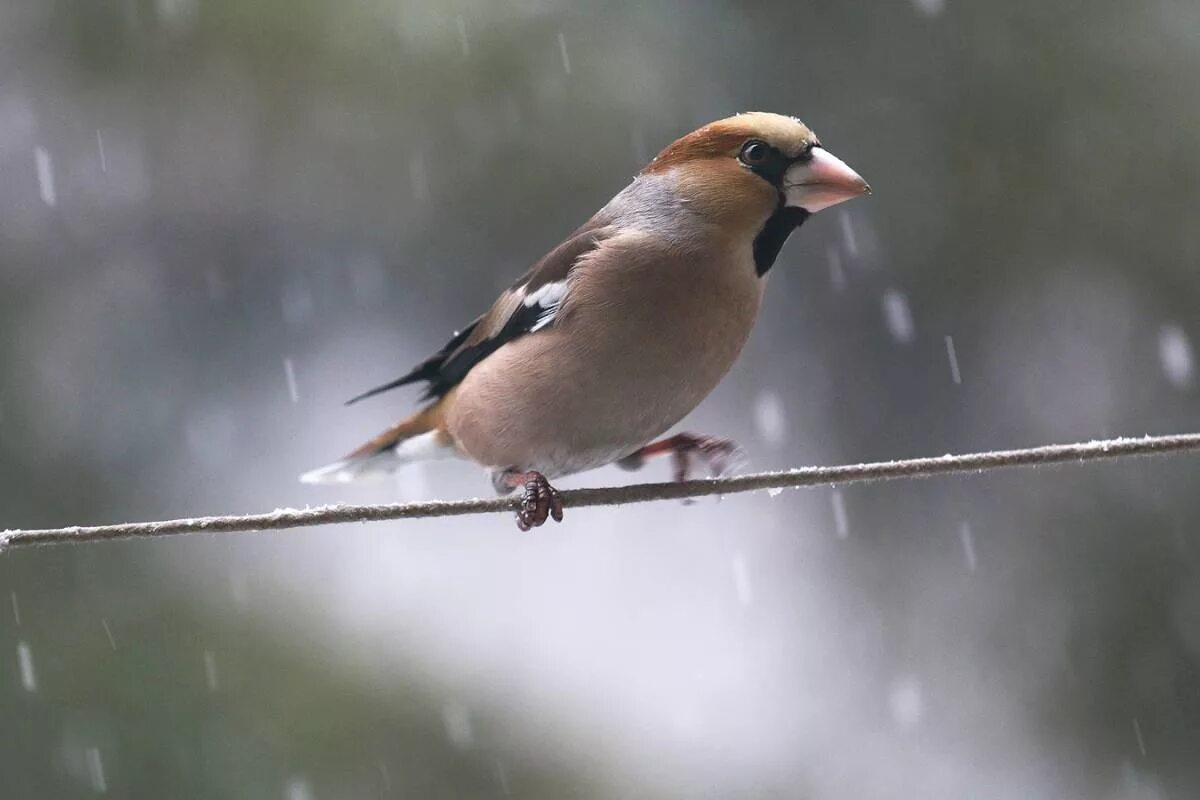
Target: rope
286, 518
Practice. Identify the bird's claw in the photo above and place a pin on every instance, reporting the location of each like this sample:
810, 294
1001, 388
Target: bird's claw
539, 501
721, 456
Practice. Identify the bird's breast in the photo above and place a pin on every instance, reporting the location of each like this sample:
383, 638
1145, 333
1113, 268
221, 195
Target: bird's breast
642, 338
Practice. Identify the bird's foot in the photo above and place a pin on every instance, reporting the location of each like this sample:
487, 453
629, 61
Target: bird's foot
539, 500
720, 455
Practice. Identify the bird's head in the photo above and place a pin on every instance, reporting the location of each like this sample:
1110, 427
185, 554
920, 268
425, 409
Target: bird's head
745, 170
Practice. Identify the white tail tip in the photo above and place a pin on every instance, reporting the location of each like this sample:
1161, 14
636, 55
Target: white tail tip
423, 447
353, 469
337, 472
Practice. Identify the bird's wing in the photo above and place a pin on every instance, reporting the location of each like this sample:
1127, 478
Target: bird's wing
527, 306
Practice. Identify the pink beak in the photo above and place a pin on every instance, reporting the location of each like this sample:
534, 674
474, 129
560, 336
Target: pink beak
823, 181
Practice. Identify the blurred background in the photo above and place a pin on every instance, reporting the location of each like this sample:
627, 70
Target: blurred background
221, 218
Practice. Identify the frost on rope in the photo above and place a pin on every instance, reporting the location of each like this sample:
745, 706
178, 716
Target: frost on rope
285, 518
1175, 355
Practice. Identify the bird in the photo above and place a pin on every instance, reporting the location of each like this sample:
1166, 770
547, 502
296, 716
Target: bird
616, 334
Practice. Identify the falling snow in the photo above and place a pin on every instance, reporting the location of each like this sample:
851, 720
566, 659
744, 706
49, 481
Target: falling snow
457, 720
1137, 732
837, 273
45, 176
930, 8
849, 235
25, 666
112, 641
770, 419
176, 15
774, 491
968, 544
298, 789
1139, 785
741, 581
100, 147
640, 154
210, 671
905, 703
386, 776
289, 372
839, 514
1175, 355
502, 778
562, 51
16, 609
952, 357
898, 316
95, 768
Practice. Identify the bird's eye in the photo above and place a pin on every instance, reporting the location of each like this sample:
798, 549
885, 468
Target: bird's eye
755, 153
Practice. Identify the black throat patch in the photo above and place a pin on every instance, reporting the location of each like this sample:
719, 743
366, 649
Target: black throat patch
774, 233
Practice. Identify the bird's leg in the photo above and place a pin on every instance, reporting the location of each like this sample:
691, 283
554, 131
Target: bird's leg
721, 455
539, 500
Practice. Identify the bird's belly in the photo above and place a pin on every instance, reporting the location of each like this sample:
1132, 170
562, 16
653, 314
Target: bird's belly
581, 394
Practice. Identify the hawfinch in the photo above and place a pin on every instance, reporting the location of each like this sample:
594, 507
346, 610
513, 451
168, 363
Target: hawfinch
620, 331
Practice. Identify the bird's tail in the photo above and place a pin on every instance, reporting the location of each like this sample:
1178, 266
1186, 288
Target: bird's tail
420, 437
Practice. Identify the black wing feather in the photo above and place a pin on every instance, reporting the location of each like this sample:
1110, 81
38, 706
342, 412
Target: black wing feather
451, 372
427, 370
446, 368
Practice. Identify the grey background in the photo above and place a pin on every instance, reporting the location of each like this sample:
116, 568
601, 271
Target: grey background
230, 187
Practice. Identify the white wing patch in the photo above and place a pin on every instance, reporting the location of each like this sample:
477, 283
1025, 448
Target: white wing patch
547, 298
